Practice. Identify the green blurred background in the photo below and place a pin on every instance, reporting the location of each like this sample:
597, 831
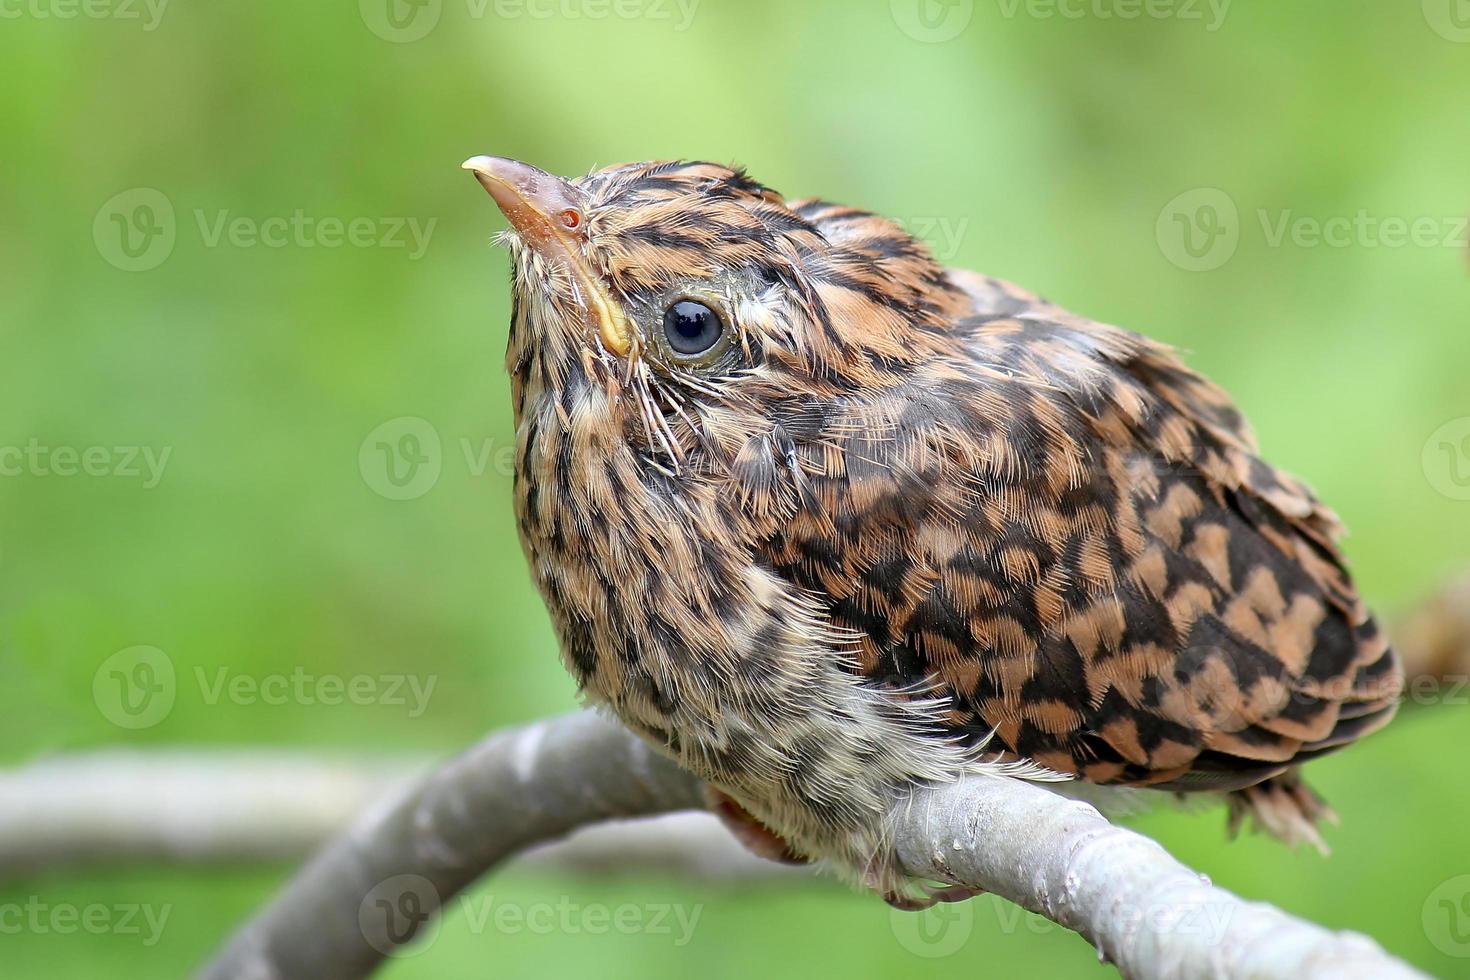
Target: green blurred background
1070, 149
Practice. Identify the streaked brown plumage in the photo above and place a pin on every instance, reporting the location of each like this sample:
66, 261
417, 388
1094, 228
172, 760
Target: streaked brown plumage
902, 522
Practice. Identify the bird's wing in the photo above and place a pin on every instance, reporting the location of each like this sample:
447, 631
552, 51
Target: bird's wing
1071, 535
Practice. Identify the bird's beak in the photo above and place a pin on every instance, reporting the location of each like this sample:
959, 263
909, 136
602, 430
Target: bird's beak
547, 212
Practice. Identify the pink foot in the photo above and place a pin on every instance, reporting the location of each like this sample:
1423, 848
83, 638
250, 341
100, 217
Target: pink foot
755, 836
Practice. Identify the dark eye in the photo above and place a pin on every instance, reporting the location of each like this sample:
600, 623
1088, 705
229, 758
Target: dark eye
692, 328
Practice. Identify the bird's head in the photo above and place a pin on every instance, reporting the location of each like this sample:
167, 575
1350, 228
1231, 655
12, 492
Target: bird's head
695, 305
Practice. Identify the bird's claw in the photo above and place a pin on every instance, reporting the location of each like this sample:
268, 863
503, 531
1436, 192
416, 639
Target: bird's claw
931, 896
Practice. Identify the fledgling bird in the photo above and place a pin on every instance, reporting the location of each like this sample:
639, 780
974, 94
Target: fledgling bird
824, 520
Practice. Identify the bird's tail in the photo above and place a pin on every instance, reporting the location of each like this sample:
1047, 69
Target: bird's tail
1284, 807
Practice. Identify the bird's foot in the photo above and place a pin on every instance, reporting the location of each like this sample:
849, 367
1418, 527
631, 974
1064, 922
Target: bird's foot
931, 896
764, 842
753, 835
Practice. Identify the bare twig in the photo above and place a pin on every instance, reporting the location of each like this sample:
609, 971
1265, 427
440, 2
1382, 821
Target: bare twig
375, 888
199, 806
1434, 643
372, 891
124, 805
1125, 894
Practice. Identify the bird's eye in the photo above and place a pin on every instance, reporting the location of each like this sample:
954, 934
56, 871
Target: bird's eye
692, 328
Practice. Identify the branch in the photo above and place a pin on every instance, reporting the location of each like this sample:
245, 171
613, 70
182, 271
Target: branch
197, 806
1434, 644
124, 805
1143, 910
381, 884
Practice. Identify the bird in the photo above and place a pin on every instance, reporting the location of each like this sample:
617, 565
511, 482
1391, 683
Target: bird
825, 521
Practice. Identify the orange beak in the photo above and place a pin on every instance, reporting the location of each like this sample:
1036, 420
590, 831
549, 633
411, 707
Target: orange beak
547, 212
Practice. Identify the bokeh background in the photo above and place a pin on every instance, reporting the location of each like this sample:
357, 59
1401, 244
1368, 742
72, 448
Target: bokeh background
1278, 188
